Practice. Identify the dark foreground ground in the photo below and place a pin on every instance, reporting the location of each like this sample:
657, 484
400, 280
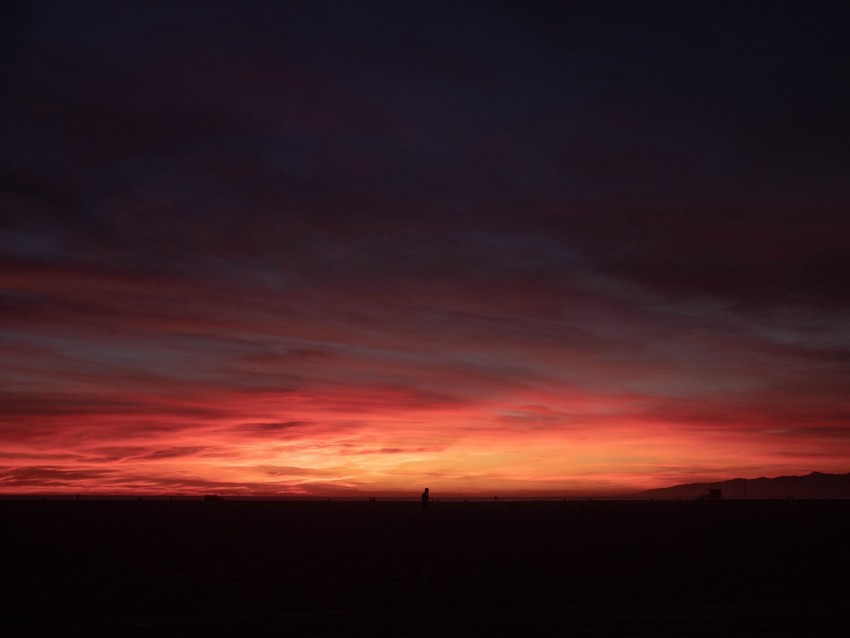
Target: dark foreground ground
159, 568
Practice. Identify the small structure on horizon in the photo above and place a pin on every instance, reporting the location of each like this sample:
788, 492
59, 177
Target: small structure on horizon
714, 494
212, 498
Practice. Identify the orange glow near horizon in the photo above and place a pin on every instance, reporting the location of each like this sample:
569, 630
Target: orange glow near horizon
375, 441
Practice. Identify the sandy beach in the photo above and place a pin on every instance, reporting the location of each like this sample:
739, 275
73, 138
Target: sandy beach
190, 568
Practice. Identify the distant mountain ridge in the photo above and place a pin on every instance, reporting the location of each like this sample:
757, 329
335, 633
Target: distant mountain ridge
814, 485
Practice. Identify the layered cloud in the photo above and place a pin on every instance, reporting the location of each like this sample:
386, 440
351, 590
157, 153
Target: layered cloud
319, 249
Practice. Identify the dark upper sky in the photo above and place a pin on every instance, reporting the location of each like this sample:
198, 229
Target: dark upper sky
321, 246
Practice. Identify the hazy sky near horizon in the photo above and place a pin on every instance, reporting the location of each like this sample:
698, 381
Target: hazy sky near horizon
496, 247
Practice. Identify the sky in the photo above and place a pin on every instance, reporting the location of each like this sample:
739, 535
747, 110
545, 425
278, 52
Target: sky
335, 248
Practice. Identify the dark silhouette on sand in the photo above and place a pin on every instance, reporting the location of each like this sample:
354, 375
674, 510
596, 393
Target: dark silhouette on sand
426, 500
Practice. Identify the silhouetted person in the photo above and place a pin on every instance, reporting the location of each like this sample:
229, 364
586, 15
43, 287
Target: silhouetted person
426, 500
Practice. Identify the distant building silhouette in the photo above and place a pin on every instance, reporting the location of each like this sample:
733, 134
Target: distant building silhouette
426, 500
713, 494
210, 498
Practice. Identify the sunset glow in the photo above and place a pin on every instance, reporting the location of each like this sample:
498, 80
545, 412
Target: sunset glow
287, 252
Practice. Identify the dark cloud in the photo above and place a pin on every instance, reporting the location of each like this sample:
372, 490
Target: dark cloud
44, 404
49, 477
109, 454
353, 228
264, 430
